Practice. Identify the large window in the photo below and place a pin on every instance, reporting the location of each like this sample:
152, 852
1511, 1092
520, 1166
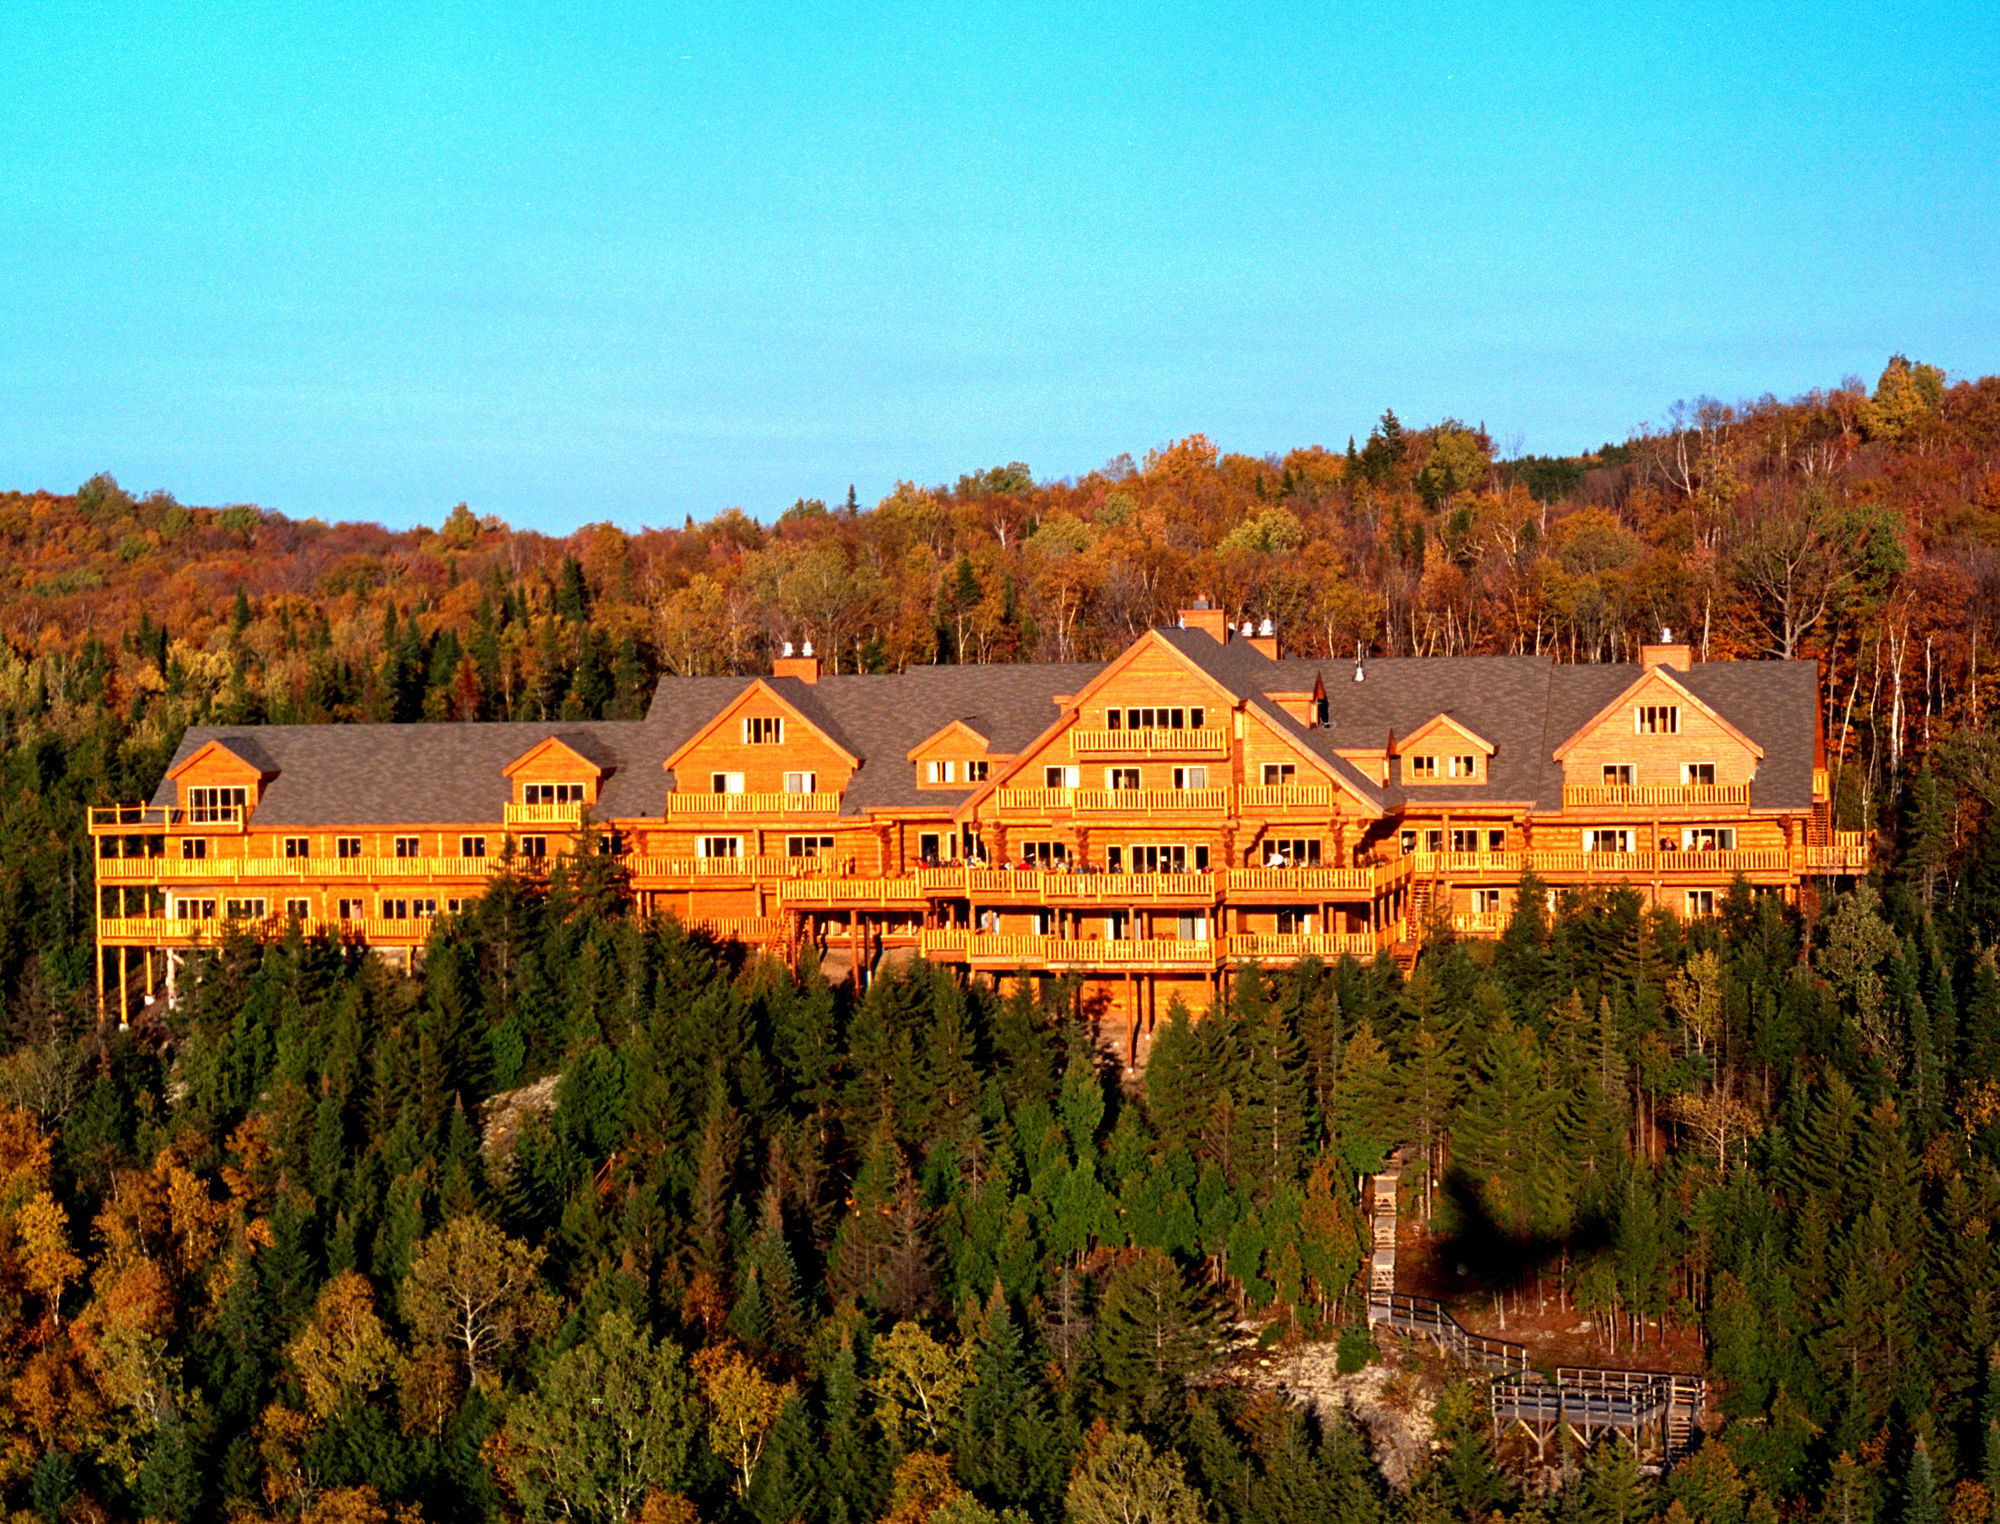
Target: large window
808, 846
1599, 839
1163, 857
1656, 719
763, 730
1291, 852
1295, 923
1044, 854
719, 846
1708, 839
244, 910
207, 805
535, 846
552, 793
1154, 719
194, 910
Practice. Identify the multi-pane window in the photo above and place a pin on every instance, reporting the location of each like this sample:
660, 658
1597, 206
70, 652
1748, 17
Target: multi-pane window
1292, 852
1276, 773
1619, 774
1656, 719
194, 910
354, 910
1699, 774
808, 846
939, 772
244, 910
347, 846
1044, 853
1486, 902
1295, 923
535, 846
1421, 768
1408, 841
1496, 840
1154, 719
298, 846
725, 783
194, 848
425, 907
719, 846
206, 805
406, 846
801, 783
1464, 840
1190, 777
763, 730
1708, 839
1062, 777
1164, 857
298, 909
1119, 778
1700, 902
975, 772
552, 793
1604, 839
472, 846
395, 909
1462, 767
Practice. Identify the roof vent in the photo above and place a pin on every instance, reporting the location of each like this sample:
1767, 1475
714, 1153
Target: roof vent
1360, 663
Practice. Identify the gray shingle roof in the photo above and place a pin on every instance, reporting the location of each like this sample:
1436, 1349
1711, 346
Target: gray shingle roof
1525, 706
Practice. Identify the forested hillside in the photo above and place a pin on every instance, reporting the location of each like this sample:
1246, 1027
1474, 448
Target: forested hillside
734, 1245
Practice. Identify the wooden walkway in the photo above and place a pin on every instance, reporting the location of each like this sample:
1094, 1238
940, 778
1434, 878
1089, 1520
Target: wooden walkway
1659, 1411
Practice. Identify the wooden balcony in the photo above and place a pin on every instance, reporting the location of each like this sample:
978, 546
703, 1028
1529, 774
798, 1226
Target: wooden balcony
1659, 796
133, 819
1848, 853
568, 817
851, 893
1130, 888
290, 870
1208, 741
658, 872
684, 802
190, 931
1479, 923
1302, 883
1509, 865
1002, 951
1095, 801
1609, 867
1255, 798
753, 929
1288, 947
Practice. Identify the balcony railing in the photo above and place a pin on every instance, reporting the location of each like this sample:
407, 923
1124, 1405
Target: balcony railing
1010, 951
1284, 796
1208, 741
237, 870
1299, 883
685, 802
571, 816
1654, 795
839, 893
207, 931
744, 928
1479, 923
1469, 864
114, 819
1282, 947
1615, 865
648, 869
1841, 857
1128, 888
1088, 801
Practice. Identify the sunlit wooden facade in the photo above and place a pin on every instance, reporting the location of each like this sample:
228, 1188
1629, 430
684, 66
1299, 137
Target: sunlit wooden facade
1148, 824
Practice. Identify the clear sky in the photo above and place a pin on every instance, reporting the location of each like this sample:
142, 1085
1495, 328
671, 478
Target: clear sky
595, 260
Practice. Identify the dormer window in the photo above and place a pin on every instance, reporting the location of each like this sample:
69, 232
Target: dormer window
1462, 767
208, 805
1422, 768
552, 793
763, 730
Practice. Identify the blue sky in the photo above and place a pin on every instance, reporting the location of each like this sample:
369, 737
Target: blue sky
593, 260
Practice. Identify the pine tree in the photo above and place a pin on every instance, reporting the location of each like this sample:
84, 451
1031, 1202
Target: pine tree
1007, 1448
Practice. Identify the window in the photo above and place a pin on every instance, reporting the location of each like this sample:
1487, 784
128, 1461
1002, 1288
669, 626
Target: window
1192, 928
1464, 840
1118, 778
940, 772
1166, 857
406, 846
244, 910
194, 848
1421, 768
1656, 720
535, 846
1295, 923
552, 793
347, 846
354, 910
298, 846
1190, 777
1279, 773
208, 805
472, 846
1496, 841
1463, 767
1408, 841
808, 846
1601, 840
930, 848
1619, 774
1062, 777
1700, 902
455, 907
801, 783
763, 730
719, 846
298, 910
1709, 839
395, 910
975, 772
424, 907
1698, 774
1291, 852
1044, 854
1114, 859
725, 783
1320, 715
194, 910
1486, 902
1152, 719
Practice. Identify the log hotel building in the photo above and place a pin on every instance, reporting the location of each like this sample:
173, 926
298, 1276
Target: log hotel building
1146, 823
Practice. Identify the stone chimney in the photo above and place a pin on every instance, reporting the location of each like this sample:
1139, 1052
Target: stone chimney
804, 667
1266, 640
1202, 617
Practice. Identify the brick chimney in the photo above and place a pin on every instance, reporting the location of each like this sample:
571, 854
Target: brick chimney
804, 667
1667, 654
1266, 640
1202, 617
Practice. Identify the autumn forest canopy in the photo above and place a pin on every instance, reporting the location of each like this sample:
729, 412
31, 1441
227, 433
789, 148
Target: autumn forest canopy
593, 1217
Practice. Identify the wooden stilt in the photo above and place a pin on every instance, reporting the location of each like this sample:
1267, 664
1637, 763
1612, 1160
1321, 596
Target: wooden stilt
124, 1000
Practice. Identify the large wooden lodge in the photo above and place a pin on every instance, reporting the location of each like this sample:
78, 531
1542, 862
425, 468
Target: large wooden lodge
1147, 823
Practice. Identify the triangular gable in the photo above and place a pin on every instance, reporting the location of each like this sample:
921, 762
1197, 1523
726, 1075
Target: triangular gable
1444, 722
1664, 676
730, 710
1326, 768
553, 747
954, 728
235, 764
